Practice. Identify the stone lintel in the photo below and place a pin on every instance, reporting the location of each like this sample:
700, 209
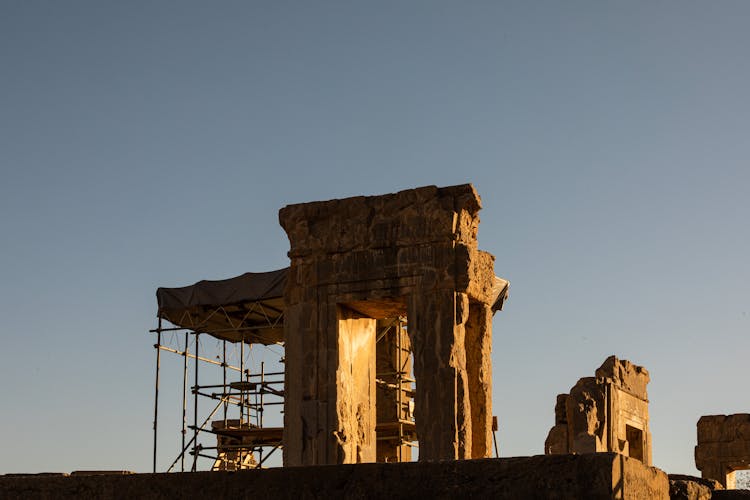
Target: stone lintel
413, 217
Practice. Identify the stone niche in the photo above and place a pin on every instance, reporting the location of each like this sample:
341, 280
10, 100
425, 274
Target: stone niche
604, 413
359, 260
723, 447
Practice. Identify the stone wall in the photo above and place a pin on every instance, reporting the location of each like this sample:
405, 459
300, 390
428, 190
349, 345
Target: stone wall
561, 477
723, 446
607, 412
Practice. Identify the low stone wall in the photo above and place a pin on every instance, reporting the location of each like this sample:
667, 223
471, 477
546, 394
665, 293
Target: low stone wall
594, 476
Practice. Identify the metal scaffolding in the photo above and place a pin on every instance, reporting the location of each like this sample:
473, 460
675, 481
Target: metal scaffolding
229, 407
239, 316
236, 418
395, 428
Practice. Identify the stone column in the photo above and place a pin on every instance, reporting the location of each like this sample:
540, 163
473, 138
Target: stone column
355, 389
301, 385
479, 370
441, 406
329, 415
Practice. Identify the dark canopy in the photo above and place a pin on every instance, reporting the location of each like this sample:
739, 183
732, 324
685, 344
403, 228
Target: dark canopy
248, 306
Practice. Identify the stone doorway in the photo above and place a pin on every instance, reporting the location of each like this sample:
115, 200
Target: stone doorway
359, 260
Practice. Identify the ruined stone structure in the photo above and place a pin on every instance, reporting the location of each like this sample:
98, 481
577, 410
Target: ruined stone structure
373, 281
607, 412
723, 447
358, 260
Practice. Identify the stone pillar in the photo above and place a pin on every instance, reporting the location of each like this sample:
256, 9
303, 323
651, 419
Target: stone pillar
301, 386
479, 371
441, 406
329, 412
355, 388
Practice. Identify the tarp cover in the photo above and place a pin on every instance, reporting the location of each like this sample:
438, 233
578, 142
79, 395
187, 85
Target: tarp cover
248, 306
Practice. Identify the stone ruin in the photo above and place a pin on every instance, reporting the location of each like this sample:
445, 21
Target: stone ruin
604, 413
723, 447
361, 260
406, 267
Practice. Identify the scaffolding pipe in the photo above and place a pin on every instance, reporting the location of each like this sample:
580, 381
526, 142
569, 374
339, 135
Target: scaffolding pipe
156, 391
242, 369
199, 358
261, 386
231, 384
267, 456
399, 394
191, 439
198, 329
195, 406
184, 397
240, 446
259, 411
224, 375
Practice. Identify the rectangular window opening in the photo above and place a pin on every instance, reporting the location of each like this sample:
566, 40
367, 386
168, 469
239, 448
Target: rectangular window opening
635, 442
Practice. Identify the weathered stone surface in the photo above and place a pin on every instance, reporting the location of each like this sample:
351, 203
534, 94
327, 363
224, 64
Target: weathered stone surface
562, 477
355, 380
561, 409
479, 373
442, 405
690, 488
608, 412
414, 253
557, 440
723, 447
625, 375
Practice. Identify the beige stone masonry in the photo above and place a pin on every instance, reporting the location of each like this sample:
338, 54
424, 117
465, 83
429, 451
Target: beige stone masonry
357, 260
604, 413
723, 447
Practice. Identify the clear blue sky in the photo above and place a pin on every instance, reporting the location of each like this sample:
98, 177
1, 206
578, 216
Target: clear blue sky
147, 144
